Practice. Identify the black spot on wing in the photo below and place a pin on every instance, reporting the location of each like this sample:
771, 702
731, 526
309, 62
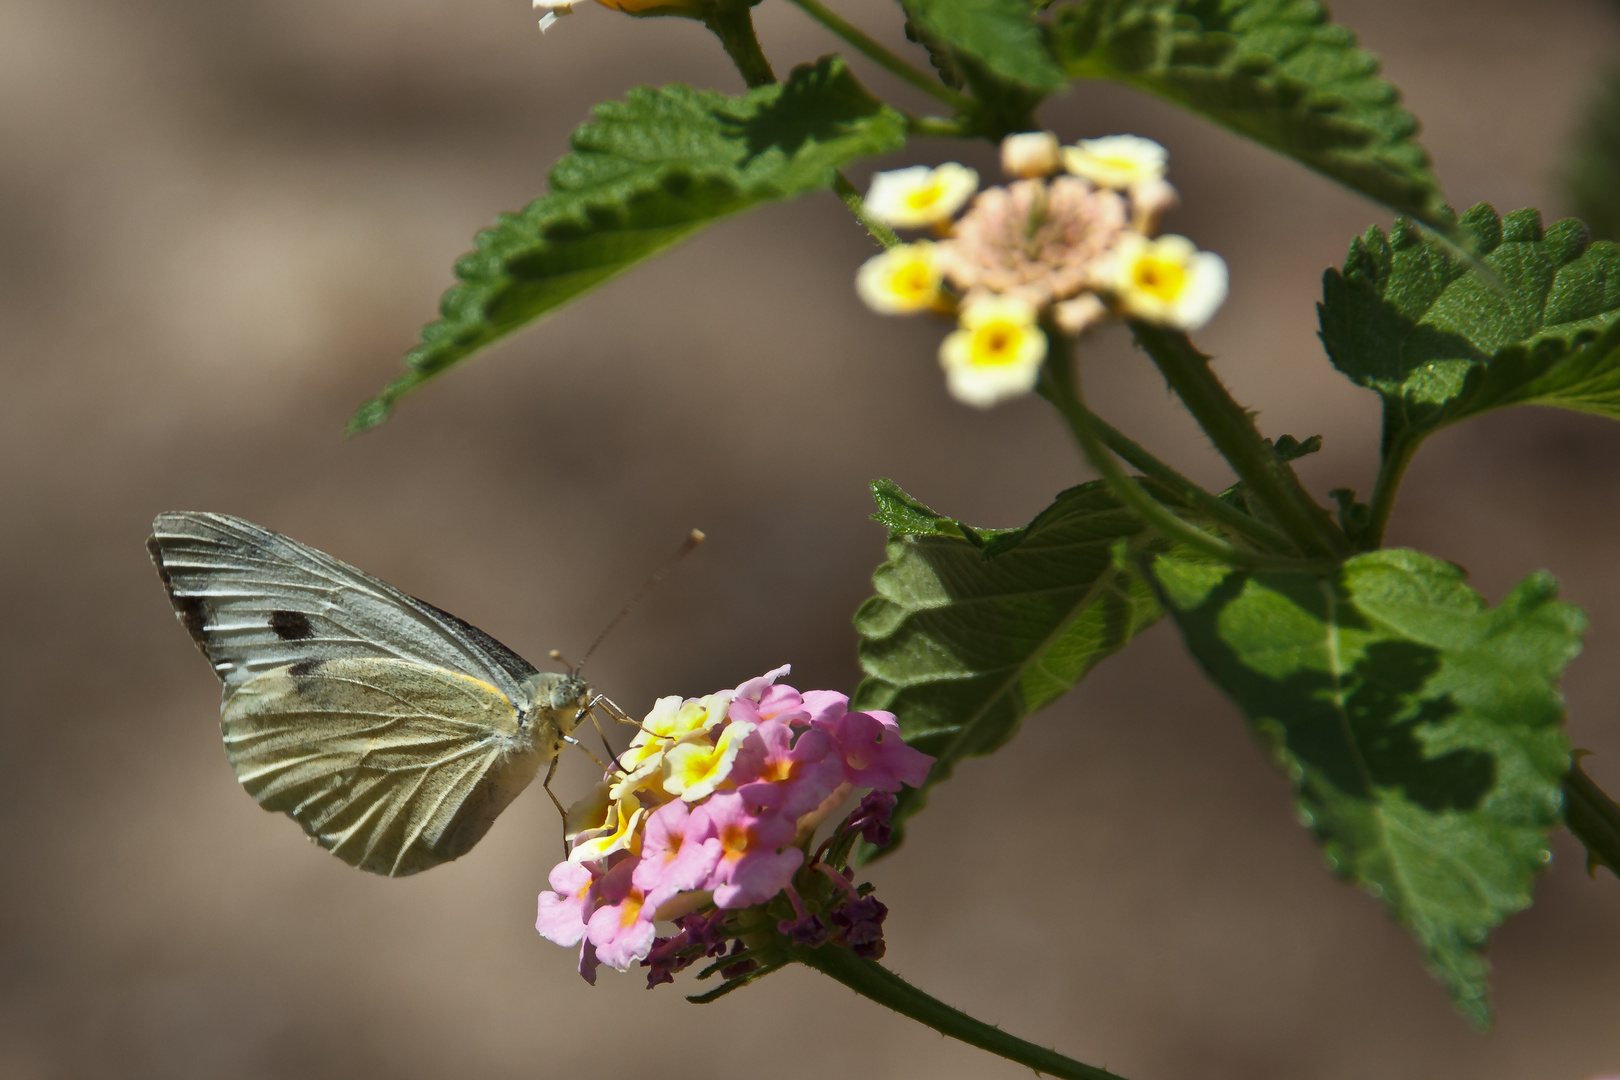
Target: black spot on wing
303, 667
291, 625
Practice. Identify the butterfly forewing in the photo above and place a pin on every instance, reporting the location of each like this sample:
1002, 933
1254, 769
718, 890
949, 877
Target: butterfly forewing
393, 732
391, 766
254, 600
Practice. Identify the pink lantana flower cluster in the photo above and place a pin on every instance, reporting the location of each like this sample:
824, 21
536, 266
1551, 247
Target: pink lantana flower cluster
712, 810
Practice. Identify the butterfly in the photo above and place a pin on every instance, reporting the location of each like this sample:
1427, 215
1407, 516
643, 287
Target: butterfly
392, 731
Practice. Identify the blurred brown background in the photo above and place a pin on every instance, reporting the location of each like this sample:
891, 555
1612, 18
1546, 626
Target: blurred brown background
220, 226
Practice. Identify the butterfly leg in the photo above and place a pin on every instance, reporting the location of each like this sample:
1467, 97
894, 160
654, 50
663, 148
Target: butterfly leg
562, 814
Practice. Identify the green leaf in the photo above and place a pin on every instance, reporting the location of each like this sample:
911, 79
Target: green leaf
972, 630
1422, 729
1412, 320
1279, 71
647, 173
1003, 34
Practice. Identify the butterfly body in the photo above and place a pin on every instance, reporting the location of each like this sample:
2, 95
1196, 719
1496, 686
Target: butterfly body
393, 732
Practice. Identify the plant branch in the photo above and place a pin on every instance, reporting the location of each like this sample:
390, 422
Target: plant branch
872, 980
1593, 817
1231, 428
733, 23
937, 126
880, 232
1196, 497
1060, 385
881, 56
1391, 471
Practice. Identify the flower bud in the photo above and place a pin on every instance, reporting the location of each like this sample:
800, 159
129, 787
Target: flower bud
1031, 154
1084, 312
1150, 201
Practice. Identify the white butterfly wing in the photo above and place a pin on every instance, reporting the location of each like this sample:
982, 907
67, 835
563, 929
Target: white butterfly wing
254, 600
393, 732
391, 766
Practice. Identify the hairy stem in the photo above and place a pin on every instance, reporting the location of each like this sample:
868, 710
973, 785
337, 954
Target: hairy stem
880, 232
879, 55
1593, 817
1391, 471
1199, 500
872, 980
733, 24
1231, 428
1060, 385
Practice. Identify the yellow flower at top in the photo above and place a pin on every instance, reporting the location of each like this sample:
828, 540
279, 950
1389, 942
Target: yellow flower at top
901, 280
917, 197
1120, 162
996, 354
1168, 281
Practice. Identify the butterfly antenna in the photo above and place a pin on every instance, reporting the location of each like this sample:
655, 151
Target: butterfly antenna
693, 539
563, 660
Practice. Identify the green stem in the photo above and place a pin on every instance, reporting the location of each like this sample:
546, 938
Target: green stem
733, 24
857, 206
936, 126
1391, 471
1231, 428
879, 55
872, 980
1594, 819
1199, 500
1060, 385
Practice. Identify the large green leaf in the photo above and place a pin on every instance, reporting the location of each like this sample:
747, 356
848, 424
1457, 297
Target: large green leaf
1003, 34
648, 172
1417, 323
1279, 71
972, 630
1423, 730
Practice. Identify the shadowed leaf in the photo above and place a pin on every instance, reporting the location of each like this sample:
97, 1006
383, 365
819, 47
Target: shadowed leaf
1422, 730
972, 630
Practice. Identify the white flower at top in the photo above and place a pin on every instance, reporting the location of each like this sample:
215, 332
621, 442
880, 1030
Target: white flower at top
1168, 281
1120, 162
901, 280
996, 354
917, 197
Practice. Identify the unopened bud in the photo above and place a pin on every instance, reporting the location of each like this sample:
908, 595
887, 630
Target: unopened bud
1150, 201
1084, 312
1031, 154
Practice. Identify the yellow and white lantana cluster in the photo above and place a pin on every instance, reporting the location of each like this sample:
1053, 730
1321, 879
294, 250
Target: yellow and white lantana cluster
1070, 239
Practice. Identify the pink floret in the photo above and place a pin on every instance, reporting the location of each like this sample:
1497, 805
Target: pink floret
677, 855
752, 867
563, 913
874, 754
621, 928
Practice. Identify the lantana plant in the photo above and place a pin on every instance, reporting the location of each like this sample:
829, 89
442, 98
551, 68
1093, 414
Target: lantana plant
1421, 727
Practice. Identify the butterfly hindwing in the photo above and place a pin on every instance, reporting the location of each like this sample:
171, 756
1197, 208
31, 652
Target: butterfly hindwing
254, 600
392, 766
392, 731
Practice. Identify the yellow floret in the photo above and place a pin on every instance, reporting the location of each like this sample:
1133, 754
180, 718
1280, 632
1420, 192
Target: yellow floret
1120, 162
902, 280
996, 354
1168, 281
917, 197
